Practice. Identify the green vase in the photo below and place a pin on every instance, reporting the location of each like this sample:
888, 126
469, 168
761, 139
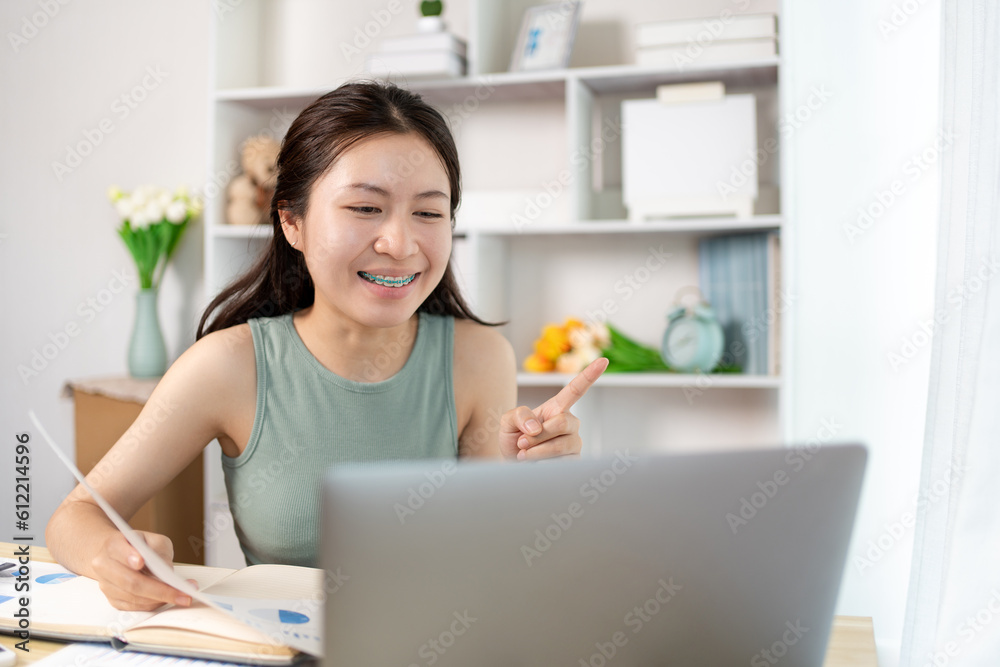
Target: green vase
147, 354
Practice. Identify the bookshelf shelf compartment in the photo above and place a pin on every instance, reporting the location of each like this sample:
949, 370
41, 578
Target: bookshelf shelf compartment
241, 231
709, 381
678, 226
523, 86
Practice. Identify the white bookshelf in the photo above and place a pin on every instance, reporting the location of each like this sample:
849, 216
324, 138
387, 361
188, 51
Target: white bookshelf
528, 128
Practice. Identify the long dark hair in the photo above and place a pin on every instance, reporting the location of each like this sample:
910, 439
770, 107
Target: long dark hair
279, 281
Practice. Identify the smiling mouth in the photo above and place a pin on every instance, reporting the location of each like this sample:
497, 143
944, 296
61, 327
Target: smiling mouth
387, 281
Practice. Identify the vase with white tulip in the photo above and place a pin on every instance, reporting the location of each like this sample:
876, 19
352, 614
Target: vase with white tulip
152, 222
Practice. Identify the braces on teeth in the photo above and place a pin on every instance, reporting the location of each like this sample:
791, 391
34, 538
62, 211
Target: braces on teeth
390, 282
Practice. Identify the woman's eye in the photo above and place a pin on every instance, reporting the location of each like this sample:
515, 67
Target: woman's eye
363, 209
429, 214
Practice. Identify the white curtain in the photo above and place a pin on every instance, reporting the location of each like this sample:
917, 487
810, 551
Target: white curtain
953, 607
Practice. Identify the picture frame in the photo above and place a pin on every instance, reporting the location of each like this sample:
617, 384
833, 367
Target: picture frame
545, 40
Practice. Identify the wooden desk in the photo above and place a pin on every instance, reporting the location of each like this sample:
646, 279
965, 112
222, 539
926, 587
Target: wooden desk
852, 642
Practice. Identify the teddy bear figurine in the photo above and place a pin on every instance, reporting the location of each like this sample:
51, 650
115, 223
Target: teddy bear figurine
249, 194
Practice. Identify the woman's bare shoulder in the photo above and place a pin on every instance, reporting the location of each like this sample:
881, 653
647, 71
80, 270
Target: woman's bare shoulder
485, 385
480, 348
218, 373
219, 368
230, 348
485, 372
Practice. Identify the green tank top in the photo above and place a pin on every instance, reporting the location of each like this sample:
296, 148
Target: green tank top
309, 418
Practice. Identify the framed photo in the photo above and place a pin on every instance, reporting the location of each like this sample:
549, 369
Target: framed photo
546, 37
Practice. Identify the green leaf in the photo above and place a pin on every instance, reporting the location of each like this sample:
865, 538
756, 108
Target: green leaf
177, 231
431, 7
627, 356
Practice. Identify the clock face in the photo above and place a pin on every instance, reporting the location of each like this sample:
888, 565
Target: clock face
682, 342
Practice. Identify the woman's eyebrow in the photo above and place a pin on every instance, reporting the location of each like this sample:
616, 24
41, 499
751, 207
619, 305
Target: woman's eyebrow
368, 187
374, 189
431, 194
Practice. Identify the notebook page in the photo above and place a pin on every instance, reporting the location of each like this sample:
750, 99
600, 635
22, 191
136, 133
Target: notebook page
262, 604
61, 598
272, 581
199, 618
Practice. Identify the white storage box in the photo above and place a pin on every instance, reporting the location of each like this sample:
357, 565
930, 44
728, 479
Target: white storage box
690, 159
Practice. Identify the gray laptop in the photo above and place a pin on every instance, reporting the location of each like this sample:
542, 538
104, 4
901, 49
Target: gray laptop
728, 558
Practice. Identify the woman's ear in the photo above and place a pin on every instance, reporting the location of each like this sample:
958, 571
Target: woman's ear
290, 226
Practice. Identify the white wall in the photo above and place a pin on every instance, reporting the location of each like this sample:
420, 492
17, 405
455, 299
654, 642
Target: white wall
858, 300
58, 246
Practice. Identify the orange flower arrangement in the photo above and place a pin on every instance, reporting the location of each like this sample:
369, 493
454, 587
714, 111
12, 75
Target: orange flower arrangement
567, 348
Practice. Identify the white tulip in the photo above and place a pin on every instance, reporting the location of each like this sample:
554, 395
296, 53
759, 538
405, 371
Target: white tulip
153, 211
176, 211
580, 337
570, 362
124, 207
602, 337
587, 355
138, 219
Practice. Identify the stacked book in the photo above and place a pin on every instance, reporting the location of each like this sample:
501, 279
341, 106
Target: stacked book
739, 276
435, 55
728, 38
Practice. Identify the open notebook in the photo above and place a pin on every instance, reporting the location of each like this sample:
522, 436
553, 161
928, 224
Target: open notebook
279, 606
264, 614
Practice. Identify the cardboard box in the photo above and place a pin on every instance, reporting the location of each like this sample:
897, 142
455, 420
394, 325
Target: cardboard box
104, 410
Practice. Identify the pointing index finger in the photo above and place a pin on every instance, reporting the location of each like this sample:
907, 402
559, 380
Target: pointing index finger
574, 390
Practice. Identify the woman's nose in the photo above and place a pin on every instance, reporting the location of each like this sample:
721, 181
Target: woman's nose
396, 239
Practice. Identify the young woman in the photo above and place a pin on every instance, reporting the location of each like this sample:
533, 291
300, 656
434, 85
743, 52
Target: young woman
347, 342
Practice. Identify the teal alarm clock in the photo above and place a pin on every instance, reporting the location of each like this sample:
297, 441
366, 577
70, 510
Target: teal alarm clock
694, 340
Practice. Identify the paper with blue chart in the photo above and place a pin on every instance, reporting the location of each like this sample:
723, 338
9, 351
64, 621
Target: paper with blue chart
45, 578
59, 597
283, 614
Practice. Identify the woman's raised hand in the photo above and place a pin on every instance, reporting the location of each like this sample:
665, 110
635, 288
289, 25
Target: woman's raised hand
550, 430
